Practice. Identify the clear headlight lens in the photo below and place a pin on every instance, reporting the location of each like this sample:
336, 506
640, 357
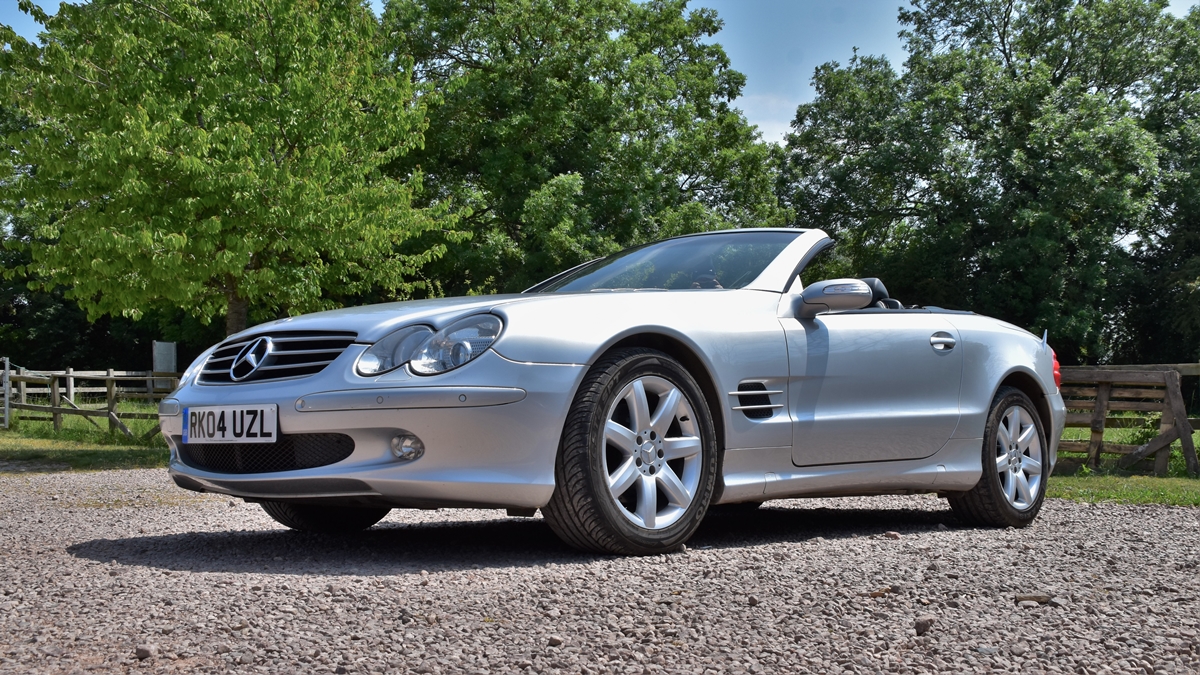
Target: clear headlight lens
456, 344
392, 351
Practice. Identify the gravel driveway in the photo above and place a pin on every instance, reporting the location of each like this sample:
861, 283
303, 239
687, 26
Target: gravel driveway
99, 569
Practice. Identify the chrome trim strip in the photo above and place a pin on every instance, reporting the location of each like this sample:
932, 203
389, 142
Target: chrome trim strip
758, 407
290, 352
306, 364
409, 397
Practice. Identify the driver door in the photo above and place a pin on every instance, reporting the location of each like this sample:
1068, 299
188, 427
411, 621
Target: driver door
872, 385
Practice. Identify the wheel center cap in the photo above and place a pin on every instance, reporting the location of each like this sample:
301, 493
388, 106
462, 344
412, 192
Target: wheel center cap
647, 452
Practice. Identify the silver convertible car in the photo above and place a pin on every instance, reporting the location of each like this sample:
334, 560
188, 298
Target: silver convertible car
625, 398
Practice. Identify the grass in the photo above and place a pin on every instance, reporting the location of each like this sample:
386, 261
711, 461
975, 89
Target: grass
1125, 489
80, 446
1177, 467
54, 454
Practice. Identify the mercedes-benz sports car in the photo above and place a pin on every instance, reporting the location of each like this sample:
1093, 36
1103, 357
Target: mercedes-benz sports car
625, 397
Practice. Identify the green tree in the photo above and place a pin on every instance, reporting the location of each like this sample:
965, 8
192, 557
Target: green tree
213, 155
1159, 321
565, 129
1005, 170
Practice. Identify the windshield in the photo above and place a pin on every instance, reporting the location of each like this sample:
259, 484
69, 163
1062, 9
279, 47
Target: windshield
727, 260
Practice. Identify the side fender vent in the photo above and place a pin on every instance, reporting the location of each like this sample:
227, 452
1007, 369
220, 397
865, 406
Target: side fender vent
756, 405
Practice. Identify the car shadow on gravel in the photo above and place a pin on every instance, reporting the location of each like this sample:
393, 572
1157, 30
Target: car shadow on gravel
394, 548
733, 527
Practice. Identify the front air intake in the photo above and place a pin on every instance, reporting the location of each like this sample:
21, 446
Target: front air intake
273, 356
289, 453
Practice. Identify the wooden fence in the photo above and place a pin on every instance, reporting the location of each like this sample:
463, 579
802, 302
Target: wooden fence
1091, 393
64, 390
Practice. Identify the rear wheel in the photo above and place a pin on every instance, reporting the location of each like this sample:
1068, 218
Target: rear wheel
637, 462
1013, 485
324, 519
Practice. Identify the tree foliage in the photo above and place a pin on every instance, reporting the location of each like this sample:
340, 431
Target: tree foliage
213, 156
1159, 302
1008, 169
564, 129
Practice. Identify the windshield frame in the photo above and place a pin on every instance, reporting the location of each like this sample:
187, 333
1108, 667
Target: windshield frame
798, 234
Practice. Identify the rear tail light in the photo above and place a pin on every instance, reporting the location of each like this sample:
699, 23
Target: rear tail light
1057, 370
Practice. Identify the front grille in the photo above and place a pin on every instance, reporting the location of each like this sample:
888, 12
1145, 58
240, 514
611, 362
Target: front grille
289, 453
288, 354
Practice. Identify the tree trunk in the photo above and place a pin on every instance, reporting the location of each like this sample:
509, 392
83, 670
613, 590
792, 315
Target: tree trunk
235, 315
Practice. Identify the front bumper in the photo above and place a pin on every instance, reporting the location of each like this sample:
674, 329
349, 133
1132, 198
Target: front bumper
491, 431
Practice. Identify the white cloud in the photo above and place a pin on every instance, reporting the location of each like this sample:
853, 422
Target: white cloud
771, 113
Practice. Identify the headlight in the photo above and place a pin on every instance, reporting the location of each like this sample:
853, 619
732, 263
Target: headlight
456, 344
392, 351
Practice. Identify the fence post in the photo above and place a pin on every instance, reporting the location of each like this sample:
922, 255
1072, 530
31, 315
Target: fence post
110, 398
1162, 458
150, 388
55, 402
7, 394
70, 384
1099, 415
21, 387
1177, 406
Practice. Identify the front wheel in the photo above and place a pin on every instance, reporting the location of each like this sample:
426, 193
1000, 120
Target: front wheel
1013, 485
324, 519
637, 461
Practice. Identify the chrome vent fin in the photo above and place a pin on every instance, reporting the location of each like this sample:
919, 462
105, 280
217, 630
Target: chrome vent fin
754, 400
274, 355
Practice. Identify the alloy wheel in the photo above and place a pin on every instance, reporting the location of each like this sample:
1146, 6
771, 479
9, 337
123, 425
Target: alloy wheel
1019, 458
652, 452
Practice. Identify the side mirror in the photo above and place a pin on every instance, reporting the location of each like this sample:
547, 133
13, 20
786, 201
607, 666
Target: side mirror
832, 295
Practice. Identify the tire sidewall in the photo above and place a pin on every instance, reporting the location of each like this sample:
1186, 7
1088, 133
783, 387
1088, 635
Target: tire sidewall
1004, 400
619, 375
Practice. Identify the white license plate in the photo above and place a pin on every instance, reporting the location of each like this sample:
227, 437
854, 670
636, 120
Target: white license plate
231, 424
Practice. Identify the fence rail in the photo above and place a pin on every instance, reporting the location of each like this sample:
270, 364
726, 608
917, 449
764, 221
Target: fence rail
61, 388
1091, 392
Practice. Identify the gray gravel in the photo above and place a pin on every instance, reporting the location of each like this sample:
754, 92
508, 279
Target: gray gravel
121, 571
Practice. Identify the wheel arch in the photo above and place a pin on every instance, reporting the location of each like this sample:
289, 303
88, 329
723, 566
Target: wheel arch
1028, 383
690, 359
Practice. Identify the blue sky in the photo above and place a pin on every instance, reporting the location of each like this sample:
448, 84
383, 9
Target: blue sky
776, 43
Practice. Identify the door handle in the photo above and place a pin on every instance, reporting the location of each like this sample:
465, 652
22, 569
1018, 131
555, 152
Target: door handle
942, 341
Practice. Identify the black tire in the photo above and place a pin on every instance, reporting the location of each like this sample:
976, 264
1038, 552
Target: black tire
583, 511
324, 519
988, 503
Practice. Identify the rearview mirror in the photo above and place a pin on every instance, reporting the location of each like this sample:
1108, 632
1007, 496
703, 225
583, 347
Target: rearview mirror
832, 295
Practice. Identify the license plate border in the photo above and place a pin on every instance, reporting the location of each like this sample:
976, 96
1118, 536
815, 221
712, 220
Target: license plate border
186, 436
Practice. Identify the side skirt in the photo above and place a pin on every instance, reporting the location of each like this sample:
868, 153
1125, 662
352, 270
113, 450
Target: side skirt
758, 474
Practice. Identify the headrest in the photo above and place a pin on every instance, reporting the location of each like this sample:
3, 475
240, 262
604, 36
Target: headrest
878, 290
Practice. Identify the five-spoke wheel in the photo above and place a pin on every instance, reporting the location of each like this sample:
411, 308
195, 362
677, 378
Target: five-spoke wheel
636, 466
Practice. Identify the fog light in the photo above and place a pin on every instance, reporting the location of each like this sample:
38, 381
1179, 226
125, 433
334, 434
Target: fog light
407, 447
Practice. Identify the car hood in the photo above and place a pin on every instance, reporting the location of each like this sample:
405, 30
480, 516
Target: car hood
372, 322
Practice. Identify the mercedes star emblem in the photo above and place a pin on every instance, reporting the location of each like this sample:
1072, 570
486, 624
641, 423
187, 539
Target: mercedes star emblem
252, 356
